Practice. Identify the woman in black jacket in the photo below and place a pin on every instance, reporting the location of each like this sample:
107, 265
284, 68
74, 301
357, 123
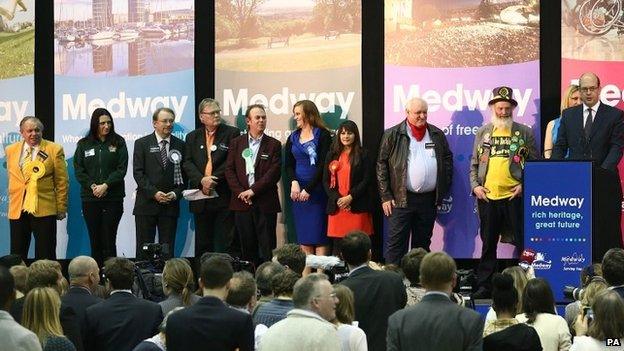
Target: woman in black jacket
101, 162
346, 177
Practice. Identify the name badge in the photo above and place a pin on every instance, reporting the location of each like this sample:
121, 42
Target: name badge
264, 156
154, 149
112, 148
41, 154
90, 152
486, 145
429, 145
223, 147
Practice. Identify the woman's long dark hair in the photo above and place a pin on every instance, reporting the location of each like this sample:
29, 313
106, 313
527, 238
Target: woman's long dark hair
113, 137
356, 148
538, 298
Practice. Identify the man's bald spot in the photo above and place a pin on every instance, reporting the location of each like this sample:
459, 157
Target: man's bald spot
590, 75
80, 267
416, 101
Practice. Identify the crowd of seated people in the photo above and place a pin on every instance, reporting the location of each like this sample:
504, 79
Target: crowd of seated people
282, 308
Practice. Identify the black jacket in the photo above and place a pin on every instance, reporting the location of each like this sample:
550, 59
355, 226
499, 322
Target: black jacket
121, 322
392, 163
97, 162
195, 159
151, 177
360, 177
79, 299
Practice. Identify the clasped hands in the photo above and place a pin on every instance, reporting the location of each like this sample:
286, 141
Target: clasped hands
208, 184
163, 198
99, 190
296, 194
481, 192
246, 196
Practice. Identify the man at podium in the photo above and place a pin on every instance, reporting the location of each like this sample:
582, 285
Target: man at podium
594, 131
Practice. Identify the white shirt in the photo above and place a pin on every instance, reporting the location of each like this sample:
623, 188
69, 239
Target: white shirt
422, 167
33, 154
352, 338
159, 139
553, 331
254, 145
586, 343
586, 112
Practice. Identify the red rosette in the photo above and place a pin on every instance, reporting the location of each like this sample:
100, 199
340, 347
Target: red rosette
333, 169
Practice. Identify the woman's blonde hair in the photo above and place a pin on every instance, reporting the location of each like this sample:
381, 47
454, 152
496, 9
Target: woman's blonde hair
178, 277
520, 281
566, 96
345, 308
597, 285
41, 313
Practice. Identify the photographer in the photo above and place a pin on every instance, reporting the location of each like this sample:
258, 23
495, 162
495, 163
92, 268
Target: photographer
608, 322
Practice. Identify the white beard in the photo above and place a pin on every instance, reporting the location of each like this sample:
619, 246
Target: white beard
501, 123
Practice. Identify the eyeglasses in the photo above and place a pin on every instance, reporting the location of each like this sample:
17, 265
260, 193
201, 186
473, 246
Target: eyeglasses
588, 89
331, 296
211, 113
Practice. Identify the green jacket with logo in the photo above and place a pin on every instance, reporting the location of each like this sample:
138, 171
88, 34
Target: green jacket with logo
97, 162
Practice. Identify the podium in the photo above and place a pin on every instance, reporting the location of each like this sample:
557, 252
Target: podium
558, 219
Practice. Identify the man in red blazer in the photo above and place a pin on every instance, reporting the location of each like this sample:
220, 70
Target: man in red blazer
252, 171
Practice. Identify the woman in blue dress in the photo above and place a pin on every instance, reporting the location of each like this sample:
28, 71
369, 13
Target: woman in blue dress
571, 98
306, 149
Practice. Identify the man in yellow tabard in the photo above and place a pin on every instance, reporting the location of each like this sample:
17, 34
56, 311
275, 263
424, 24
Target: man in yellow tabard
501, 148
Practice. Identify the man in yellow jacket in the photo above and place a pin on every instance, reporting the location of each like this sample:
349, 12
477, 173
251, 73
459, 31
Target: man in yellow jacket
37, 190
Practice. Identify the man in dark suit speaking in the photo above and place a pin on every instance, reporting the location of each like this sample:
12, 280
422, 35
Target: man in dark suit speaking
594, 131
252, 171
157, 170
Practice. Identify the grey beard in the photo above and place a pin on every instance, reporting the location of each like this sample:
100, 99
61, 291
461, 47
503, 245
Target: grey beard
501, 123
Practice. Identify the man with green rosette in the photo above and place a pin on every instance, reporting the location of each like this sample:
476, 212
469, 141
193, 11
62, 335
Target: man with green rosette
252, 171
500, 151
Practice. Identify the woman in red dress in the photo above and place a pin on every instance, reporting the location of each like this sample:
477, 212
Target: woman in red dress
346, 177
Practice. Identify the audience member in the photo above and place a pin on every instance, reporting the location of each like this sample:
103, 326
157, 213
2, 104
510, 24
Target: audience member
20, 275
436, 323
158, 341
84, 277
539, 312
264, 274
11, 260
44, 274
14, 337
275, 310
351, 337
410, 264
307, 326
41, 316
608, 322
242, 293
505, 332
210, 324
123, 320
587, 299
613, 269
178, 281
291, 256
520, 279
378, 294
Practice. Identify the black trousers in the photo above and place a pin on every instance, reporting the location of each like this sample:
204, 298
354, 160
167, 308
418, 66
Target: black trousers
497, 216
417, 218
256, 231
210, 224
44, 230
102, 219
146, 232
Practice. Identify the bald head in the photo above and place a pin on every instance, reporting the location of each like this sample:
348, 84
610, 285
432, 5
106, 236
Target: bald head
589, 86
84, 271
416, 112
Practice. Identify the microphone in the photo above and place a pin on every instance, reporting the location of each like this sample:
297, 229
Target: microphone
527, 257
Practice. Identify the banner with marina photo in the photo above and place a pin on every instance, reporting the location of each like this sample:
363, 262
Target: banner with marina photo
591, 41
452, 54
131, 57
17, 57
277, 52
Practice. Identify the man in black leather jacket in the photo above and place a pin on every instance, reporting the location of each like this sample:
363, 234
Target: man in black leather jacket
414, 171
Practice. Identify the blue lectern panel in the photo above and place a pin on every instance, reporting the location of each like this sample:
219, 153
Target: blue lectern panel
557, 220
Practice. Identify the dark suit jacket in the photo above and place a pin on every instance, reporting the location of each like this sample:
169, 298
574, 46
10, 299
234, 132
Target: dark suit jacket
378, 294
267, 172
210, 325
151, 177
79, 299
121, 322
605, 142
69, 321
195, 159
360, 178
435, 323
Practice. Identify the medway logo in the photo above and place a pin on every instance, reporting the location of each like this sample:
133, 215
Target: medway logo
573, 259
541, 263
446, 206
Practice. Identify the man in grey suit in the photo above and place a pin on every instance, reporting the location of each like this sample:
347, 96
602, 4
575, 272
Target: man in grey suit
13, 336
594, 131
436, 323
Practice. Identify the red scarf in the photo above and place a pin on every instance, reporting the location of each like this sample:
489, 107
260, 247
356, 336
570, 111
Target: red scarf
418, 132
